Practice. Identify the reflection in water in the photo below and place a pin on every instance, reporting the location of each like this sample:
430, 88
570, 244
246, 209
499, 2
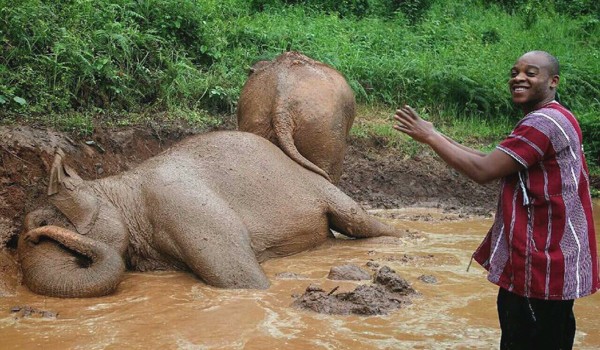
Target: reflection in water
171, 310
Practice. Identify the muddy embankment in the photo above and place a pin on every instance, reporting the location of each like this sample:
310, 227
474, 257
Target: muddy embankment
374, 176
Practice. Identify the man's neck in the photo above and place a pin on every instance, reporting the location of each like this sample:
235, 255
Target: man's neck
528, 108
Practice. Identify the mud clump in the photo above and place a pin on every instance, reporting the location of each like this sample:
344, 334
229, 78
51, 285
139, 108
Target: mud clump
388, 292
428, 279
348, 273
29, 312
290, 276
394, 283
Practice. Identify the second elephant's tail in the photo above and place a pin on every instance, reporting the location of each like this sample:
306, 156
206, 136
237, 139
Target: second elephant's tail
284, 131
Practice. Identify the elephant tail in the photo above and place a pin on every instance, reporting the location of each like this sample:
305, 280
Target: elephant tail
282, 125
61, 263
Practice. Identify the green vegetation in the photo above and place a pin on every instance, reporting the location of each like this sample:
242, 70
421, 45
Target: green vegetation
73, 63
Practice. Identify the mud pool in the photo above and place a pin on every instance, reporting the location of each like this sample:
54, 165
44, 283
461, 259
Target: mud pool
172, 310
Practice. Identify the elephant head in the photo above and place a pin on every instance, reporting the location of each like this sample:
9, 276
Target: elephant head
73, 247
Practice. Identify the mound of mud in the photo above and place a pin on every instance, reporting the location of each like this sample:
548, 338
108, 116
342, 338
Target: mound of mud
348, 272
387, 293
26, 311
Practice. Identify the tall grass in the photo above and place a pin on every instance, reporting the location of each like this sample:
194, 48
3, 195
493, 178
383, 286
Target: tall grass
118, 58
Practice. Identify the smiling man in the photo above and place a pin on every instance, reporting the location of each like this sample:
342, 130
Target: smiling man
541, 249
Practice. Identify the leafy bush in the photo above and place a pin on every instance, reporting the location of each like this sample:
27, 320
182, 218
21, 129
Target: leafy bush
573, 8
345, 8
120, 56
590, 129
576, 8
105, 54
414, 10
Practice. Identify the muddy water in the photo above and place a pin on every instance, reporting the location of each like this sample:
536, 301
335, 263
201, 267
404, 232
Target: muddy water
169, 310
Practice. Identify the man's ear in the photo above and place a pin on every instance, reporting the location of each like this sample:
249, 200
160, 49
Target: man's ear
554, 81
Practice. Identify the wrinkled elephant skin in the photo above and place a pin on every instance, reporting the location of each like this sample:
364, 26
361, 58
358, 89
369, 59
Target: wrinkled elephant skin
303, 106
216, 204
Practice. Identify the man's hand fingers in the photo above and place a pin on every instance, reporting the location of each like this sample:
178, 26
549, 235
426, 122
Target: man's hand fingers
404, 122
411, 111
399, 117
403, 115
402, 129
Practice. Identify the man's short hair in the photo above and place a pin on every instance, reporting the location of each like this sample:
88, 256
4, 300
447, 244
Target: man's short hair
553, 65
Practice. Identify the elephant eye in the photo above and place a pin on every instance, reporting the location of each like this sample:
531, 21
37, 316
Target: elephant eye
44, 223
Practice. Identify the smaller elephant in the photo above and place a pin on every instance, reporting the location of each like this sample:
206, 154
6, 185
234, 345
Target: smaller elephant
216, 204
303, 106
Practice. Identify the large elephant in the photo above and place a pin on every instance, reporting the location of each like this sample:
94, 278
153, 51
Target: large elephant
216, 204
303, 106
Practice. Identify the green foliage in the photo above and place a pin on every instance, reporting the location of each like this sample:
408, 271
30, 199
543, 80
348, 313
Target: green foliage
190, 57
111, 54
590, 129
344, 8
576, 8
490, 37
414, 10
529, 9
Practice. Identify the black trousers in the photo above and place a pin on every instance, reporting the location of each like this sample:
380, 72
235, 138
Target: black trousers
535, 323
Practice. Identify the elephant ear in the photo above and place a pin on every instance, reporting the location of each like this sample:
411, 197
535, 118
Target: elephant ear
69, 194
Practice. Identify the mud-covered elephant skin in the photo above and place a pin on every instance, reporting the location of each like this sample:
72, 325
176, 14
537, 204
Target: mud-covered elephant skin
216, 204
303, 106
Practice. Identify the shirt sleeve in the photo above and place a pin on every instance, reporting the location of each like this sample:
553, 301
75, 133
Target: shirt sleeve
526, 144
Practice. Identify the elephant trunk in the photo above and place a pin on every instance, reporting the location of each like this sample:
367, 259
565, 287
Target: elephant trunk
61, 263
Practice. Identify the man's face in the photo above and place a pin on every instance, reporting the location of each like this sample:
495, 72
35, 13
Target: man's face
531, 84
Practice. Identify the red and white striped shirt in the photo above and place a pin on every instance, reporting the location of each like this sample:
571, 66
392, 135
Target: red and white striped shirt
542, 243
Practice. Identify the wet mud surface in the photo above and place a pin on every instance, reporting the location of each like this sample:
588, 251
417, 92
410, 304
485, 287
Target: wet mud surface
452, 308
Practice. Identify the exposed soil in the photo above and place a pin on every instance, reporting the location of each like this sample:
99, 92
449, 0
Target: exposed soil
388, 292
378, 177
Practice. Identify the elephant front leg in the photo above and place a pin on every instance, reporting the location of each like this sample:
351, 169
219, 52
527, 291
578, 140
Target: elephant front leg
211, 240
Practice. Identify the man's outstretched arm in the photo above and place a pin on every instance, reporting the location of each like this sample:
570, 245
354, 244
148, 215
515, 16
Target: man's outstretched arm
478, 166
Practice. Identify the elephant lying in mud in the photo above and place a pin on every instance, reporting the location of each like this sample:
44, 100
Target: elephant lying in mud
216, 204
303, 106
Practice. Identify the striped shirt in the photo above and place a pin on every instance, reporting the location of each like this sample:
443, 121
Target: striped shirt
542, 243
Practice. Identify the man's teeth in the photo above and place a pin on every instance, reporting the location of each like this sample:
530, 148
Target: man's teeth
520, 89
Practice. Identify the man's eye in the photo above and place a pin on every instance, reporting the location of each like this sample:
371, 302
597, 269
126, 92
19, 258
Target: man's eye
531, 74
